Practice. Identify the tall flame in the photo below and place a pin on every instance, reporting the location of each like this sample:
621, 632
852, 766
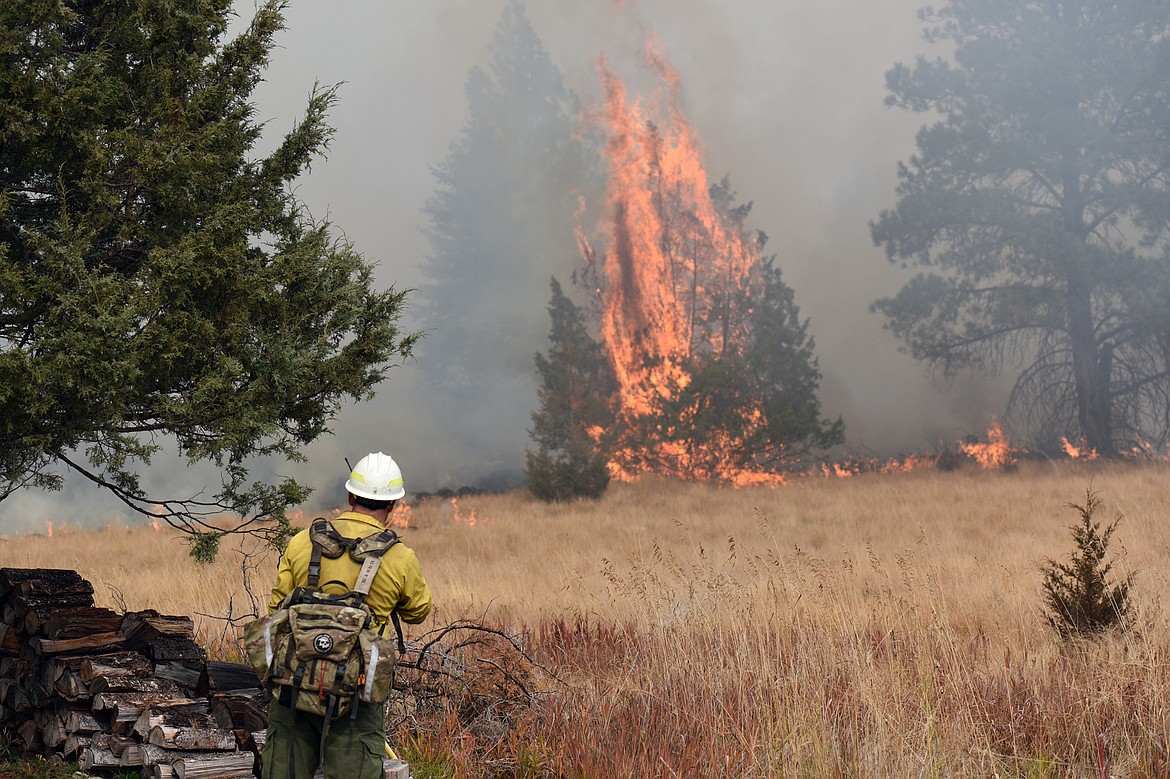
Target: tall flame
671, 275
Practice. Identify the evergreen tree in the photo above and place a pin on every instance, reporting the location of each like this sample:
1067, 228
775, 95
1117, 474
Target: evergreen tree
1081, 598
157, 280
1038, 208
571, 425
502, 219
752, 405
721, 379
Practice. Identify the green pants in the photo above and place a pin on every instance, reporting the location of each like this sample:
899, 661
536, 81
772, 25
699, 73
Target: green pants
354, 748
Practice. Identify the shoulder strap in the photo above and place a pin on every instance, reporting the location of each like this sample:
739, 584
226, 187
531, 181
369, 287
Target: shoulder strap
319, 524
365, 579
366, 576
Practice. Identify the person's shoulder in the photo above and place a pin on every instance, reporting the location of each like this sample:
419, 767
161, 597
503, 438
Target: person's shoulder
300, 538
400, 551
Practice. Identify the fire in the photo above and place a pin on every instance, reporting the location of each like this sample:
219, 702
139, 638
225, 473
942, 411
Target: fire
49, 523
673, 266
1078, 452
843, 470
401, 515
911, 463
458, 516
996, 453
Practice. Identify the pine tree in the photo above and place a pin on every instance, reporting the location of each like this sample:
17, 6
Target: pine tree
749, 405
571, 424
1080, 598
1037, 209
501, 222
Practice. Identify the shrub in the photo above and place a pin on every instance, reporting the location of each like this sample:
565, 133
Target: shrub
1079, 598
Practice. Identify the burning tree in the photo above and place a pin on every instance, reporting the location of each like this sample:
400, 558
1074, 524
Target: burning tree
715, 373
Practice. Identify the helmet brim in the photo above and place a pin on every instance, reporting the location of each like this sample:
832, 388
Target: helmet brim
362, 491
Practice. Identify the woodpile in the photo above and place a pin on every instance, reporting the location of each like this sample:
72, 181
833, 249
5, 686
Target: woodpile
116, 691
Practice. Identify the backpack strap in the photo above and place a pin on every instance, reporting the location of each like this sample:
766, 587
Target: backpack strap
320, 524
366, 576
370, 565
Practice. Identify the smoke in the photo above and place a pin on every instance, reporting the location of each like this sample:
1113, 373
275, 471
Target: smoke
788, 100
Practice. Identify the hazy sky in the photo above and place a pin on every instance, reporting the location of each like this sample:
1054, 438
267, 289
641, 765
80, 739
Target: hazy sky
788, 99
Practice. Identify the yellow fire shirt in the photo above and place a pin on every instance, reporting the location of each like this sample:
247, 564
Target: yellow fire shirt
399, 583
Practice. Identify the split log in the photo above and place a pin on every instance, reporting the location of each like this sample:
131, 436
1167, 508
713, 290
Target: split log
30, 736
218, 676
247, 709
71, 622
174, 648
190, 714
53, 732
21, 605
10, 639
130, 754
70, 687
94, 643
232, 764
74, 744
62, 676
53, 583
139, 684
161, 771
94, 757
116, 664
152, 755
82, 722
11, 579
185, 673
15, 697
210, 739
127, 707
39, 694
142, 627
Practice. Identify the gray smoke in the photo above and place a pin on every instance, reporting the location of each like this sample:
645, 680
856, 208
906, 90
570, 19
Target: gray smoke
788, 98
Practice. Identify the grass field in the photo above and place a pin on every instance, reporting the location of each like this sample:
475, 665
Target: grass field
881, 625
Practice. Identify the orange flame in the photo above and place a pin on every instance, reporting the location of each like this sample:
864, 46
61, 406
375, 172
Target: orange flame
401, 515
458, 516
1078, 452
49, 522
910, 463
839, 470
996, 453
672, 265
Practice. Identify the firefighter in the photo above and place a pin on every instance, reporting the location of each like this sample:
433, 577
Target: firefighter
353, 746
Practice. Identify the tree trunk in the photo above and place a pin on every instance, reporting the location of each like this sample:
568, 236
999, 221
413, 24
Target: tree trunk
1091, 370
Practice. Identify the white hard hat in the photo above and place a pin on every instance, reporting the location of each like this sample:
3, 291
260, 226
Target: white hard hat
376, 477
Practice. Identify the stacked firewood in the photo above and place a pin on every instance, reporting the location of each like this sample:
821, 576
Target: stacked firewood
111, 691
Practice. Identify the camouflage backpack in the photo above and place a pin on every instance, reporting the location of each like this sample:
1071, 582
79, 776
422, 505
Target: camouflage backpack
319, 652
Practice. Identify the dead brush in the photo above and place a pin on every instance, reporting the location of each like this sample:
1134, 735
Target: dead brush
468, 678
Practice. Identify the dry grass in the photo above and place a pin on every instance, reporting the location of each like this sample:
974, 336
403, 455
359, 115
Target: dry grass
883, 625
